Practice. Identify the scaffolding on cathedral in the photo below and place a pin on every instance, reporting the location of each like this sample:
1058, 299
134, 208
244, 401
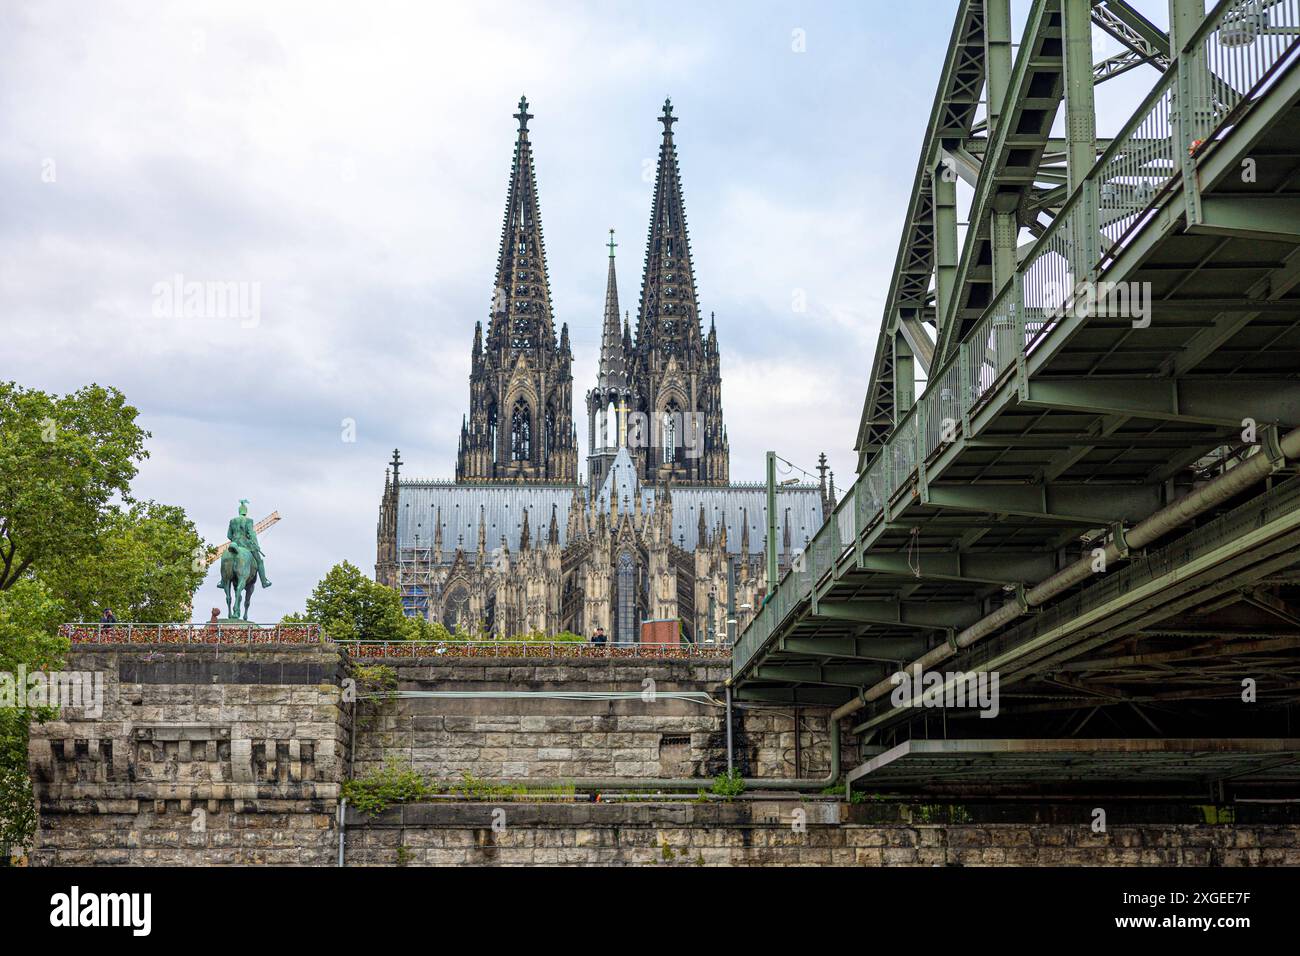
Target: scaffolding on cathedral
415, 579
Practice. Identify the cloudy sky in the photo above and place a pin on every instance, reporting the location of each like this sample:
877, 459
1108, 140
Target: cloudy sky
349, 161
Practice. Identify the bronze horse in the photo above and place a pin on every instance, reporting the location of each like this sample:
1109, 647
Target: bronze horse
238, 568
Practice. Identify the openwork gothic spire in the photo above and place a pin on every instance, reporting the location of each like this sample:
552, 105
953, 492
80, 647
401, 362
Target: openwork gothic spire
674, 374
520, 424
521, 318
669, 321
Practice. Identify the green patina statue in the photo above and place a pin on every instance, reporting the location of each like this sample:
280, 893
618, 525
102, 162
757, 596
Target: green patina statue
241, 565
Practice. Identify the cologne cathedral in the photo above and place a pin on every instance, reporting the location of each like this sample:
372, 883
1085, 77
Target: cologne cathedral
522, 541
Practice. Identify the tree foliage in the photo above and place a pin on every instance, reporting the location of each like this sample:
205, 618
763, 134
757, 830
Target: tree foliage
350, 606
63, 459
29, 617
145, 565
72, 542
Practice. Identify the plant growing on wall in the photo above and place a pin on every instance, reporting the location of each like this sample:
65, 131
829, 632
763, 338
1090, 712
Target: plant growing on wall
395, 782
729, 784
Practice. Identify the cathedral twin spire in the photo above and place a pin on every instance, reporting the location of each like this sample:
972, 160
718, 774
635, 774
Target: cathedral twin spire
669, 320
520, 425
521, 317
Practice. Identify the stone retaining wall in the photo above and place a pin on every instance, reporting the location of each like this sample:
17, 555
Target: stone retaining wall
765, 833
653, 734
201, 755
209, 755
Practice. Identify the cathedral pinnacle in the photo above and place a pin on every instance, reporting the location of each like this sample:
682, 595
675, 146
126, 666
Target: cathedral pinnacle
523, 115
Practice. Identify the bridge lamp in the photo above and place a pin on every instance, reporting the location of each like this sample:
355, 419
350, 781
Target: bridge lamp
1242, 26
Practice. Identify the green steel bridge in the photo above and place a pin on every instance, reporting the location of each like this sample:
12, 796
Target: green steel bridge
1077, 461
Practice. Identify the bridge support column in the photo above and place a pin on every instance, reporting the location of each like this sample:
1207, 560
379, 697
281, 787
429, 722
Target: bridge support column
944, 190
1081, 136
904, 377
1185, 17
997, 56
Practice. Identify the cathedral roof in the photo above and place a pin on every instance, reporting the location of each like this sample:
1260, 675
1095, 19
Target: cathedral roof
621, 481
422, 504
738, 506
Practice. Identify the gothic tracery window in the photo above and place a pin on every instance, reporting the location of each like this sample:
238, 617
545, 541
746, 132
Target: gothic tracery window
671, 438
521, 432
626, 617
455, 613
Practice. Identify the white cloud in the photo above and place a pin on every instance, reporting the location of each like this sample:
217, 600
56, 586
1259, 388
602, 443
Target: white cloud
352, 160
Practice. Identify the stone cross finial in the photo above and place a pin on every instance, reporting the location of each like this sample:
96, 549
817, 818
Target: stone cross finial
668, 119
523, 115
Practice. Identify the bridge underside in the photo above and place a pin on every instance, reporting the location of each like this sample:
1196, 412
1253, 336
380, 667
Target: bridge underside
1040, 447
1150, 768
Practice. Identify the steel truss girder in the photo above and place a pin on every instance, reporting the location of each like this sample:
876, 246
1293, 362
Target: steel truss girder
832, 675
952, 118
1144, 41
982, 163
1226, 402
1011, 139
1085, 505
856, 648
812, 696
992, 568
940, 616
1250, 217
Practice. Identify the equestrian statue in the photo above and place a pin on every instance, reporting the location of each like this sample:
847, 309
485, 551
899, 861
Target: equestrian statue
241, 565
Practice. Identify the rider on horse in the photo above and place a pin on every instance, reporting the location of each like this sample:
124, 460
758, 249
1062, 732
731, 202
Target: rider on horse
242, 534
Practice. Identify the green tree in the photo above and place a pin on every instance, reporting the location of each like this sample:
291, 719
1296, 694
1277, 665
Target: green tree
29, 618
72, 541
144, 565
425, 630
348, 605
62, 461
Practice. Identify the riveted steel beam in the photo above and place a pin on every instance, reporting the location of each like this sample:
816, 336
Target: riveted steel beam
1251, 217
925, 615
833, 675
858, 648
813, 696
1075, 504
977, 568
1203, 400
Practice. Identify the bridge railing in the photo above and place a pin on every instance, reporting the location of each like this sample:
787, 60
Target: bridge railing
1239, 49
133, 633
513, 649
